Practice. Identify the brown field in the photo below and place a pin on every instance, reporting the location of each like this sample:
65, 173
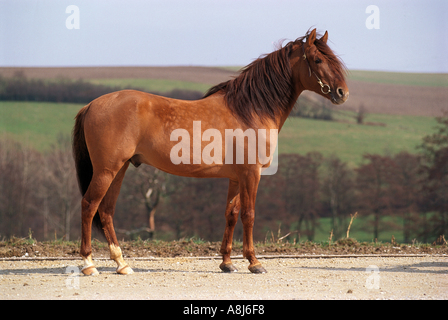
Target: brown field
22, 248
397, 99
206, 75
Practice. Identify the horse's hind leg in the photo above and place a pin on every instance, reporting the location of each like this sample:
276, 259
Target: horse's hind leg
107, 210
232, 211
90, 202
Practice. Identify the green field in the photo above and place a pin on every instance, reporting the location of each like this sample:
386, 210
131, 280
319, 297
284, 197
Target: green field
38, 123
360, 227
349, 141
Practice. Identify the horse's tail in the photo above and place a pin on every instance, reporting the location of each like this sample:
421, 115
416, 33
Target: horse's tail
84, 168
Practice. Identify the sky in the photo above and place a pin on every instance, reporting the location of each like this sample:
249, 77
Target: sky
399, 36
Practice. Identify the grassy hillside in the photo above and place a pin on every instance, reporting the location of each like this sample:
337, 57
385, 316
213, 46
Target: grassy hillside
38, 124
349, 141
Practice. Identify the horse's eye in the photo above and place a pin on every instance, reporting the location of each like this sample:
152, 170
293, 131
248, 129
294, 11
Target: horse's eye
317, 61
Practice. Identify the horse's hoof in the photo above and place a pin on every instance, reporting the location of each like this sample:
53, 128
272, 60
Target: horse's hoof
257, 269
228, 267
90, 271
125, 270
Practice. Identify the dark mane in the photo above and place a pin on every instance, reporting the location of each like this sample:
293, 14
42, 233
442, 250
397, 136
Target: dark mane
264, 88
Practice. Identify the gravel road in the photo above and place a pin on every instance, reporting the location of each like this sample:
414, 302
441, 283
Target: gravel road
189, 278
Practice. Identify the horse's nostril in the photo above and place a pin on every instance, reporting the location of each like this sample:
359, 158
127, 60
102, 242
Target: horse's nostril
340, 92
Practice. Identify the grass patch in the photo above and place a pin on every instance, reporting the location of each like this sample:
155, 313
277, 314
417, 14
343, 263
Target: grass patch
37, 124
349, 141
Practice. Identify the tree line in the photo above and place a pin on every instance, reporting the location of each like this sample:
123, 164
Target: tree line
39, 192
20, 88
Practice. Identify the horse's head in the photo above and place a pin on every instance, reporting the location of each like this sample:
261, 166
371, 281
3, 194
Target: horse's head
321, 70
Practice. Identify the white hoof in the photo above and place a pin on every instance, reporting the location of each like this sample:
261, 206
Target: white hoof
90, 271
125, 270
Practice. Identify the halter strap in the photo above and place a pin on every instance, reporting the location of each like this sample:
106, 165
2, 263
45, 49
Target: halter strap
322, 85
304, 58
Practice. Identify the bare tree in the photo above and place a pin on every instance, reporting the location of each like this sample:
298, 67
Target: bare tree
374, 180
61, 198
19, 176
338, 193
435, 182
142, 192
302, 193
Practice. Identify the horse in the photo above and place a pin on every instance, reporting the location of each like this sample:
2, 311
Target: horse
133, 127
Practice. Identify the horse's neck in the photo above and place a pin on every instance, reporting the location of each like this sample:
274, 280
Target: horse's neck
285, 115
296, 65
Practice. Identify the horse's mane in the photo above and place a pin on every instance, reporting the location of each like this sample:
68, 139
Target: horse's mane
264, 88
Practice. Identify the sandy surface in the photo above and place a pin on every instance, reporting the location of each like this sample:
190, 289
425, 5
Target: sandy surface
186, 278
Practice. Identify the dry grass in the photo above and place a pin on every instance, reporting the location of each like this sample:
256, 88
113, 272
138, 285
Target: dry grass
352, 217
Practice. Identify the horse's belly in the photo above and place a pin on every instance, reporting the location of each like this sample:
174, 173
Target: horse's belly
184, 169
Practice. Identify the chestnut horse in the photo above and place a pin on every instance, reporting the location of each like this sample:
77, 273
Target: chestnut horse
135, 127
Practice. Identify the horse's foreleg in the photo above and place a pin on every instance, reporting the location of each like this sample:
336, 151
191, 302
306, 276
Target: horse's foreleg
248, 194
232, 211
107, 210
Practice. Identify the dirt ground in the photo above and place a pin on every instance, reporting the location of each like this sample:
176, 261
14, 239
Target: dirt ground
375, 97
200, 279
189, 270
25, 248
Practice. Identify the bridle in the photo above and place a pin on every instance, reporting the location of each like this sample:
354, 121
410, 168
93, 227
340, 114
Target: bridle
322, 85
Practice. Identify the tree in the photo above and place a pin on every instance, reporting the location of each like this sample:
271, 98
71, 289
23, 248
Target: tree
338, 193
301, 195
19, 179
435, 182
373, 185
197, 208
406, 192
61, 198
143, 189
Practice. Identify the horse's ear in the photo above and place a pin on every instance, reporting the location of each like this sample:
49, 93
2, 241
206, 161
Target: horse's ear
324, 37
311, 38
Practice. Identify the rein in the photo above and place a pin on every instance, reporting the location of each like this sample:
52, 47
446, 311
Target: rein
322, 85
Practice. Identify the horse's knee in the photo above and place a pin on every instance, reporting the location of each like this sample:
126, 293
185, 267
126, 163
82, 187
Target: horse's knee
248, 217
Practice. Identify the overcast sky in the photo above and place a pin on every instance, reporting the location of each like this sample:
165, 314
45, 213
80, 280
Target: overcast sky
412, 34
